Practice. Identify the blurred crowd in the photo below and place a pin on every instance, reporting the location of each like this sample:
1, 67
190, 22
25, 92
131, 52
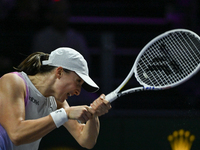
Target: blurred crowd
28, 26
35, 25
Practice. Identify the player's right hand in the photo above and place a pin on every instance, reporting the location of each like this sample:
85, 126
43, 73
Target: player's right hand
80, 113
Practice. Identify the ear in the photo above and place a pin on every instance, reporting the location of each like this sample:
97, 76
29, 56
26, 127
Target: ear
59, 72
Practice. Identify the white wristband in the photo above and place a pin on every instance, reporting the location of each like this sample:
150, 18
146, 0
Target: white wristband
59, 117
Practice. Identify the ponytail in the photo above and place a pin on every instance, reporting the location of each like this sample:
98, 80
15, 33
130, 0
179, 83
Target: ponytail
33, 64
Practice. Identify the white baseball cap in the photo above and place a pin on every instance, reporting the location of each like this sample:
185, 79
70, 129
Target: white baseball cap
70, 59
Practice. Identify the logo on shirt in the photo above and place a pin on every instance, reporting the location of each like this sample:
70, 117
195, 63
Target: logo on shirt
34, 100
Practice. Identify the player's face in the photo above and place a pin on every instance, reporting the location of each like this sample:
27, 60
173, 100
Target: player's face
68, 85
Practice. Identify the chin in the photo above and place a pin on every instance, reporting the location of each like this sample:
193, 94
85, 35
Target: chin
61, 99
64, 99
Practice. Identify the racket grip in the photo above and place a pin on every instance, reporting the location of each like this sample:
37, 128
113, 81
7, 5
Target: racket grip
111, 97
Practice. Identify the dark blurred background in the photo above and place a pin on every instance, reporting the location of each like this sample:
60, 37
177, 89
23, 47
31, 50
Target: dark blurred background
109, 34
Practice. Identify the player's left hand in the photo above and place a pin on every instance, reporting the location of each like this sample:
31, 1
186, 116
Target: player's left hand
100, 106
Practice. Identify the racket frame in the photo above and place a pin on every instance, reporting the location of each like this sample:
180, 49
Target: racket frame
116, 93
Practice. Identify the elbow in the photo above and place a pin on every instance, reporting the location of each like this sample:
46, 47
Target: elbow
88, 145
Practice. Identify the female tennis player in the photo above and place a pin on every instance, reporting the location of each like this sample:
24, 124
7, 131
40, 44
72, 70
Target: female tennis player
33, 100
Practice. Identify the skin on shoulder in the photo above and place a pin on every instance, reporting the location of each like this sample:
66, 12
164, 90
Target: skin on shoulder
12, 84
13, 92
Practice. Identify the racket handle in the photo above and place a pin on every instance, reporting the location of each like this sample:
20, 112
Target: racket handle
111, 97
79, 120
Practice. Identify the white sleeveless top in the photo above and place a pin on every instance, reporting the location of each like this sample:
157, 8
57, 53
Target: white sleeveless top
37, 106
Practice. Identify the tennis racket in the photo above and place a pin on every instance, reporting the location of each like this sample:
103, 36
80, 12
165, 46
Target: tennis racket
166, 61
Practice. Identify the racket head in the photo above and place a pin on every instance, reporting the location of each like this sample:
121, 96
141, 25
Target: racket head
168, 60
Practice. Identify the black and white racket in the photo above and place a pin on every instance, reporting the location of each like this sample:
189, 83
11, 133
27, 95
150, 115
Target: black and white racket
166, 61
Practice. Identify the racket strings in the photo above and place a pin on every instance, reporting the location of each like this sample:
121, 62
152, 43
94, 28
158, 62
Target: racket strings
183, 57
177, 57
169, 59
195, 51
191, 55
145, 62
153, 77
157, 76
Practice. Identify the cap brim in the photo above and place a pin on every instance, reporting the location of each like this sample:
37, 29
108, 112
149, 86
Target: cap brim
89, 85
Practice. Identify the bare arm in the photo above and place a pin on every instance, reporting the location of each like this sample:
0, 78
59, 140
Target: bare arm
86, 134
12, 114
21, 131
12, 106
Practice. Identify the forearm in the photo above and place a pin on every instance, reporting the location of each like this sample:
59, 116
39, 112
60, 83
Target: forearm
90, 133
85, 134
28, 131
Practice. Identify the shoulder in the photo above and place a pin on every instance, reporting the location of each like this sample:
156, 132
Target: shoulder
11, 81
11, 77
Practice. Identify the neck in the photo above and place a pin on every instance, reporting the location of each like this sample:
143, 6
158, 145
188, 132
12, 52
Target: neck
43, 83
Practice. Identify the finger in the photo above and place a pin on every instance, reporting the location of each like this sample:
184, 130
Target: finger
103, 96
102, 104
82, 119
103, 108
88, 113
85, 118
107, 103
91, 110
94, 105
81, 112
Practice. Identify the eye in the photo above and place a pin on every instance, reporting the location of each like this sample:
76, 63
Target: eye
80, 81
